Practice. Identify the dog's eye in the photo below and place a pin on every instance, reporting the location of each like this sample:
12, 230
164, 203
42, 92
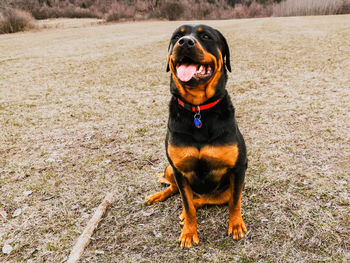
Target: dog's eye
205, 36
177, 37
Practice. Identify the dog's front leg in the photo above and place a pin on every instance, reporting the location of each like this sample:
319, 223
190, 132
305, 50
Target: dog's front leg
189, 234
237, 227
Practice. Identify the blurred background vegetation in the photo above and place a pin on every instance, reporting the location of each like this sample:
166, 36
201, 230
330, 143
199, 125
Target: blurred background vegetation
17, 15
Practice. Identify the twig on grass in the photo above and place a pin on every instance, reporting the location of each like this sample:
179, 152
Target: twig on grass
84, 238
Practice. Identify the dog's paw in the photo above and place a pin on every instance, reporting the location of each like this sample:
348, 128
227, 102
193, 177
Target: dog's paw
236, 227
158, 197
188, 239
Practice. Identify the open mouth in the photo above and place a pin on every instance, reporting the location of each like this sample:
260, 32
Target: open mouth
188, 69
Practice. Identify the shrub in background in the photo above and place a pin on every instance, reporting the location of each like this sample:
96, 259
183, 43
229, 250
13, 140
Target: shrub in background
198, 9
254, 9
13, 20
120, 11
43, 9
172, 10
70, 11
345, 8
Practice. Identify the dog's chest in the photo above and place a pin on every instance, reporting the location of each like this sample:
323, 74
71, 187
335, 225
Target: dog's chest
207, 163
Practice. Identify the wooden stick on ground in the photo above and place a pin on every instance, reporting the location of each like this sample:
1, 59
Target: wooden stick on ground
84, 238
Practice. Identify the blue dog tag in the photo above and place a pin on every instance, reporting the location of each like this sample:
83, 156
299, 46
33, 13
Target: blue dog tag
197, 122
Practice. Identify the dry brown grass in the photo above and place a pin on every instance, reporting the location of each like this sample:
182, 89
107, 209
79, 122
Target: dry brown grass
68, 23
308, 7
84, 110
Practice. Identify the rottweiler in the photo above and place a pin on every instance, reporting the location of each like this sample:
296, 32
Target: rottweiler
204, 146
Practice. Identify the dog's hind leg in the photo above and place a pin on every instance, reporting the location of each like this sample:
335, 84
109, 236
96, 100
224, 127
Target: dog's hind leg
172, 189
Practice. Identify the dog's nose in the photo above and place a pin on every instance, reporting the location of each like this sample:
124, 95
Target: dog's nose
186, 42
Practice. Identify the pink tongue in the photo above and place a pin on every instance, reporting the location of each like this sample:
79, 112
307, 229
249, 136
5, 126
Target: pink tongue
186, 72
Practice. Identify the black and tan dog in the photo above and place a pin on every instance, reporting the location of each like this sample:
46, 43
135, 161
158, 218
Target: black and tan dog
204, 146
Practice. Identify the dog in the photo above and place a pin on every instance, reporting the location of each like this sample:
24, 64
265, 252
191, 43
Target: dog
205, 149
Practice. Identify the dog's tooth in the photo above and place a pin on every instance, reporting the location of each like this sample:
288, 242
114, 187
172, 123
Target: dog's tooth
200, 69
209, 70
203, 70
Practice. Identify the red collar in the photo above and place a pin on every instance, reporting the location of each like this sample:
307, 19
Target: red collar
199, 107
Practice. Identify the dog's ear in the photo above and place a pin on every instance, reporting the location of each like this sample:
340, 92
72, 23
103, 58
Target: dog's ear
225, 51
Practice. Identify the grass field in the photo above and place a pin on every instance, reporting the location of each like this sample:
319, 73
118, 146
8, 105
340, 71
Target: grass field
84, 110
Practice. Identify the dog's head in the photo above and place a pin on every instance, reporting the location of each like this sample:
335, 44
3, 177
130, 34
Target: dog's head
198, 57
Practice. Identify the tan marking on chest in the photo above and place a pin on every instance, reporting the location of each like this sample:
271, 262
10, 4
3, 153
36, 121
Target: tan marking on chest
182, 157
220, 157
227, 155
184, 160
